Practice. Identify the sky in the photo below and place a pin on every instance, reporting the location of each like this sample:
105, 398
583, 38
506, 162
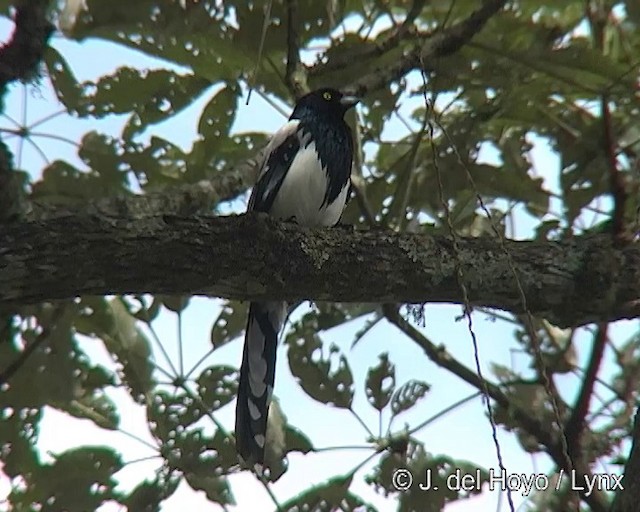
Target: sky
464, 433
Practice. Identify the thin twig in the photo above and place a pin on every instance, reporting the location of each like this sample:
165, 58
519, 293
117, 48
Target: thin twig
403, 31
139, 439
576, 423
536, 427
54, 136
141, 459
263, 36
535, 342
48, 118
342, 447
357, 179
295, 79
156, 338
47, 332
272, 104
362, 423
36, 147
465, 294
598, 21
445, 411
180, 346
441, 44
199, 362
407, 176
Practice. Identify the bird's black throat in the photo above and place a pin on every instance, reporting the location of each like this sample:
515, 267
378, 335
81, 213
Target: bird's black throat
333, 144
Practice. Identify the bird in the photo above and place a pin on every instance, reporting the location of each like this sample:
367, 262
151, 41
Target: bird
304, 177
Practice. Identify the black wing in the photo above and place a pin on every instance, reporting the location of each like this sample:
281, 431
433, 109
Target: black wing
281, 151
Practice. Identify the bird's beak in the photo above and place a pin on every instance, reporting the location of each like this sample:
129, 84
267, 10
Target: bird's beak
349, 101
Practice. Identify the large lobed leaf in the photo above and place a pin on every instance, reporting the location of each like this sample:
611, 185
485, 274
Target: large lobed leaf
327, 379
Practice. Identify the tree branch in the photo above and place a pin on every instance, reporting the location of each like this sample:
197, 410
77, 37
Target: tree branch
19, 60
598, 16
536, 427
576, 424
20, 57
295, 77
30, 348
441, 44
400, 33
12, 191
571, 282
185, 200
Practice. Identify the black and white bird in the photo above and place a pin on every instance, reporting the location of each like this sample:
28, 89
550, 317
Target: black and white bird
305, 177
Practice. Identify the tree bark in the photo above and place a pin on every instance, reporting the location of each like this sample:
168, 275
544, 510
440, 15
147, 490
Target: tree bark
571, 282
20, 59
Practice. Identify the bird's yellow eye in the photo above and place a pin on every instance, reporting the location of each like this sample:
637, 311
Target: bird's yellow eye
326, 95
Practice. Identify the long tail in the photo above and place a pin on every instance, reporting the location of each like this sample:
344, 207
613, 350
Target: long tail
257, 374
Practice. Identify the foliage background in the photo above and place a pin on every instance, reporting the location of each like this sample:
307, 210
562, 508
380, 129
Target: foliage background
540, 108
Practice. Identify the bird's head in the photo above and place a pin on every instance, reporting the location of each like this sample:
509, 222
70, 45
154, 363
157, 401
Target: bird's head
324, 102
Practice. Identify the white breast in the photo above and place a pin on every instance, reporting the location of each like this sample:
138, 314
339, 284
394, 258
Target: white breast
303, 190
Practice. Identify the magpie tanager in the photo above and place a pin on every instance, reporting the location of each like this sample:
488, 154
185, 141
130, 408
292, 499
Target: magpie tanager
305, 177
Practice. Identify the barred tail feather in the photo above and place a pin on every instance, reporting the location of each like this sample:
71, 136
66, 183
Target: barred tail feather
257, 373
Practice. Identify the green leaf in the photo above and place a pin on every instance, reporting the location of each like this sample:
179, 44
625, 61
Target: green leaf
275, 446
78, 479
545, 228
504, 183
87, 464
170, 414
58, 373
103, 156
226, 456
95, 316
63, 183
407, 395
62, 78
327, 379
464, 209
148, 496
193, 36
193, 451
381, 382
419, 467
130, 347
332, 314
220, 157
157, 164
175, 303
98, 377
588, 66
297, 441
107, 175
217, 115
149, 96
19, 433
230, 323
216, 489
217, 118
98, 408
147, 312
217, 386
333, 494
366, 328
5, 7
